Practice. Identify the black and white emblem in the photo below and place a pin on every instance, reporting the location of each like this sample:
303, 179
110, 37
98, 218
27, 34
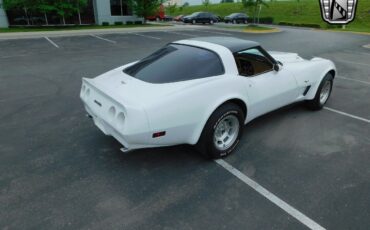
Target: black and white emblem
338, 11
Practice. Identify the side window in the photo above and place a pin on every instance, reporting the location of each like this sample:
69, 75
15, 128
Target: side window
252, 62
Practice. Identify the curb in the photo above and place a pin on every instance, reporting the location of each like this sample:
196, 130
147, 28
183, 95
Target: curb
275, 30
39, 34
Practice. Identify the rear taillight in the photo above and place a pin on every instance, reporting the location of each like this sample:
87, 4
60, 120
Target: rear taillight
111, 113
120, 120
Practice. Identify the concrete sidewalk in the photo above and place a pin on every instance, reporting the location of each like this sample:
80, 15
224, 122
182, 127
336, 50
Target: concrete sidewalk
38, 34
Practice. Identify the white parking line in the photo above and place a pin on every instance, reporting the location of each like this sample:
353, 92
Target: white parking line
53, 43
271, 197
182, 34
350, 79
215, 32
147, 36
348, 115
15, 56
352, 62
104, 39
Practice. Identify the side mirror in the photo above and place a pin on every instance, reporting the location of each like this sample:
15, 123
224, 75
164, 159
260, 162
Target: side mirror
276, 67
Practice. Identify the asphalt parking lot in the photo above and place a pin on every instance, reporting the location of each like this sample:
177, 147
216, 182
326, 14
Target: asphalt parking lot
58, 171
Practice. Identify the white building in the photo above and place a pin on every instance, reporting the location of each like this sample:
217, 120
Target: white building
109, 11
3, 19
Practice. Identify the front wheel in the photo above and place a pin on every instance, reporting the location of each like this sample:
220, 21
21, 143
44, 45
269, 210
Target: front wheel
211, 22
193, 22
222, 132
323, 93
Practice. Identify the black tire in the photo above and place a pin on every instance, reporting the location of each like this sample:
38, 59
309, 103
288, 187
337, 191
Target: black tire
206, 145
234, 21
245, 21
211, 22
315, 103
193, 21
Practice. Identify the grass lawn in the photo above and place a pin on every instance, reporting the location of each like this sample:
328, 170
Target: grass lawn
72, 27
302, 12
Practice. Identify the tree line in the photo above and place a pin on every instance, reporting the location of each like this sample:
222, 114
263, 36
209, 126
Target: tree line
63, 8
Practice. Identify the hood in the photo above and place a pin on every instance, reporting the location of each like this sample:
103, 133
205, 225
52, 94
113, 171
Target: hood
286, 57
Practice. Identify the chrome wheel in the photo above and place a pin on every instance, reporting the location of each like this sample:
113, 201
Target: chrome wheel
226, 132
325, 92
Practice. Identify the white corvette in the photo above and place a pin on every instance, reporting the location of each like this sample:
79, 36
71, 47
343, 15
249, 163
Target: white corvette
200, 92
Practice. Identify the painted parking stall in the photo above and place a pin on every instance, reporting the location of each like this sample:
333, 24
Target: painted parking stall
294, 169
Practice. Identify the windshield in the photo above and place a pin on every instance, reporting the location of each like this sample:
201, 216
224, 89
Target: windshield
234, 14
176, 62
194, 14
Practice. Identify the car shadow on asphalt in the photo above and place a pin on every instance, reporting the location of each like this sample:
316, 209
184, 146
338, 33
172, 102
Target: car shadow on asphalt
187, 153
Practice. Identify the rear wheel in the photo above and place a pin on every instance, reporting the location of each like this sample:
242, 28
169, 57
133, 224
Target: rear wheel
222, 132
193, 22
234, 21
245, 21
323, 93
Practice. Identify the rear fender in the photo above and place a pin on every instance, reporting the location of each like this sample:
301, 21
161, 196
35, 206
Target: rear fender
210, 110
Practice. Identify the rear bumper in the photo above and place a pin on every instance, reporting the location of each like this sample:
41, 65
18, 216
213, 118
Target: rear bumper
106, 128
127, 124
129, 141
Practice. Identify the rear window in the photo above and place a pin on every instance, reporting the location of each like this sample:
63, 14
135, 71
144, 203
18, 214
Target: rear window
176, 62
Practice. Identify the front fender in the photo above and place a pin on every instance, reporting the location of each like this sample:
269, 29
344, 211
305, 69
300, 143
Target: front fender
323, 67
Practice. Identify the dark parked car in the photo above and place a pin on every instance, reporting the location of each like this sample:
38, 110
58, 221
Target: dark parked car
32, 20
167, 18
236, 18
200, 17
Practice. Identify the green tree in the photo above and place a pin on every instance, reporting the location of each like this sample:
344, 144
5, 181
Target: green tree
206, 3
297, 10
171, 8
45, 7
78, 5
145, 8
255, 4
25, 5
186, 4
64, 8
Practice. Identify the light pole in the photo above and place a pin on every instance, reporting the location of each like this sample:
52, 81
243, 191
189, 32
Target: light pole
3, 18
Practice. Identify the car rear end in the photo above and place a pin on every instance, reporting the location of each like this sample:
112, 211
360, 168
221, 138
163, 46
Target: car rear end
114, 115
